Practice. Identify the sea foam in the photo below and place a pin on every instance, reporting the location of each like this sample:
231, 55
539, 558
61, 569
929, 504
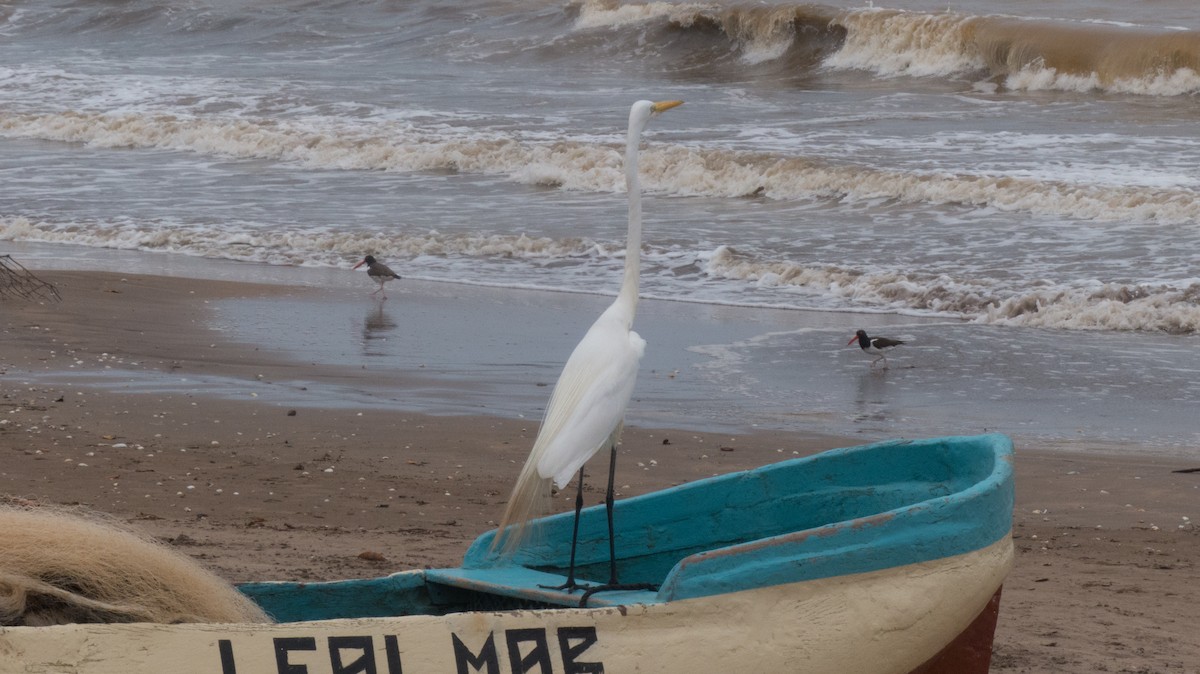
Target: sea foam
669, 169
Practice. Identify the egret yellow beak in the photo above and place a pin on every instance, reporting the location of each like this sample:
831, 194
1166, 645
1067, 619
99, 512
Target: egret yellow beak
663, 106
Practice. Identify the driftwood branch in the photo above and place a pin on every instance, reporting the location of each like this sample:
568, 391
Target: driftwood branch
17, 281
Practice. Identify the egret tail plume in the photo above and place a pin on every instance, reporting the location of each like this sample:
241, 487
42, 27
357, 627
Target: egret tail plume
530, 499
575, 427
530, 496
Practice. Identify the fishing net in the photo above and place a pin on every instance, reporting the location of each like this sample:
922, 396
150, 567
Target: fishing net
61, 566
18, 282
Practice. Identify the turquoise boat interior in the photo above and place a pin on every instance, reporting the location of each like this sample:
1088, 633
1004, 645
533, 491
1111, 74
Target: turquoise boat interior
844, 511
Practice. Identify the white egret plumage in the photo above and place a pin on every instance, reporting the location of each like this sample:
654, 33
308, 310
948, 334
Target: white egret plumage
587, 407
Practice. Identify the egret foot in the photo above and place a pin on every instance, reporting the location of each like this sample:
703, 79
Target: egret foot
613, 587
569, 587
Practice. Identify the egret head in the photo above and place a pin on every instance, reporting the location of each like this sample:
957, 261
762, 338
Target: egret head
643, 111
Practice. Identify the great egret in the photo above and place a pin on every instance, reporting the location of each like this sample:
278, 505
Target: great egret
587, 408
874, 346
378, 272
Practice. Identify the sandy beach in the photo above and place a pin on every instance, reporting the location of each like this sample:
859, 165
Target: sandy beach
1106, 576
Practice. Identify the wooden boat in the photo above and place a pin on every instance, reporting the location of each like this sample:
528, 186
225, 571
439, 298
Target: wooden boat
879, 559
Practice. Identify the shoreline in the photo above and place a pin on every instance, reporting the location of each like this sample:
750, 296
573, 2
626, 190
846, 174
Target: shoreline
1105, 578
459, 349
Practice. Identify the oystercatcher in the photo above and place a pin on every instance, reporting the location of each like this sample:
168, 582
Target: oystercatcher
378, 272
874, 345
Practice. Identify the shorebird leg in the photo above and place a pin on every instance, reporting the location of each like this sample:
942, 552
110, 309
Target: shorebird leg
571, 585
613, 583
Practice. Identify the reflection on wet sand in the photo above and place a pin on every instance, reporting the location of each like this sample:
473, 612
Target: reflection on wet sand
377, 326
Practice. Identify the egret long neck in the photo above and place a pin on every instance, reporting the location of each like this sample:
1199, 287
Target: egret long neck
633, 241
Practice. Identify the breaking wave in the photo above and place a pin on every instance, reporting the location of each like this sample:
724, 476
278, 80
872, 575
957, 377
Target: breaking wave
1019, 53
1166, 307
307, 248
597, 167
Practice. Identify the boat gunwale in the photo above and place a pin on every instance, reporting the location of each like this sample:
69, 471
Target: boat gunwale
785, 557
936, 527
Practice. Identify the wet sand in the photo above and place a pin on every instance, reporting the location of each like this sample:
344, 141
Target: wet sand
258, 487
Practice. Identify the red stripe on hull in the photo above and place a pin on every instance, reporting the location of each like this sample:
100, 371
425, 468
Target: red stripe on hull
971, 650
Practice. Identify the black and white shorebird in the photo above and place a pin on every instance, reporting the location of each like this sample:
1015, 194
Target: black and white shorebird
876, 346
378, 272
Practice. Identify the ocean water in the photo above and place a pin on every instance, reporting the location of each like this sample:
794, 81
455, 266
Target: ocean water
1024, 169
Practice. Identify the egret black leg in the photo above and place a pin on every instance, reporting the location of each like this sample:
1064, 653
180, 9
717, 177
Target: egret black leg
571, 585
613, 584
608, 507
